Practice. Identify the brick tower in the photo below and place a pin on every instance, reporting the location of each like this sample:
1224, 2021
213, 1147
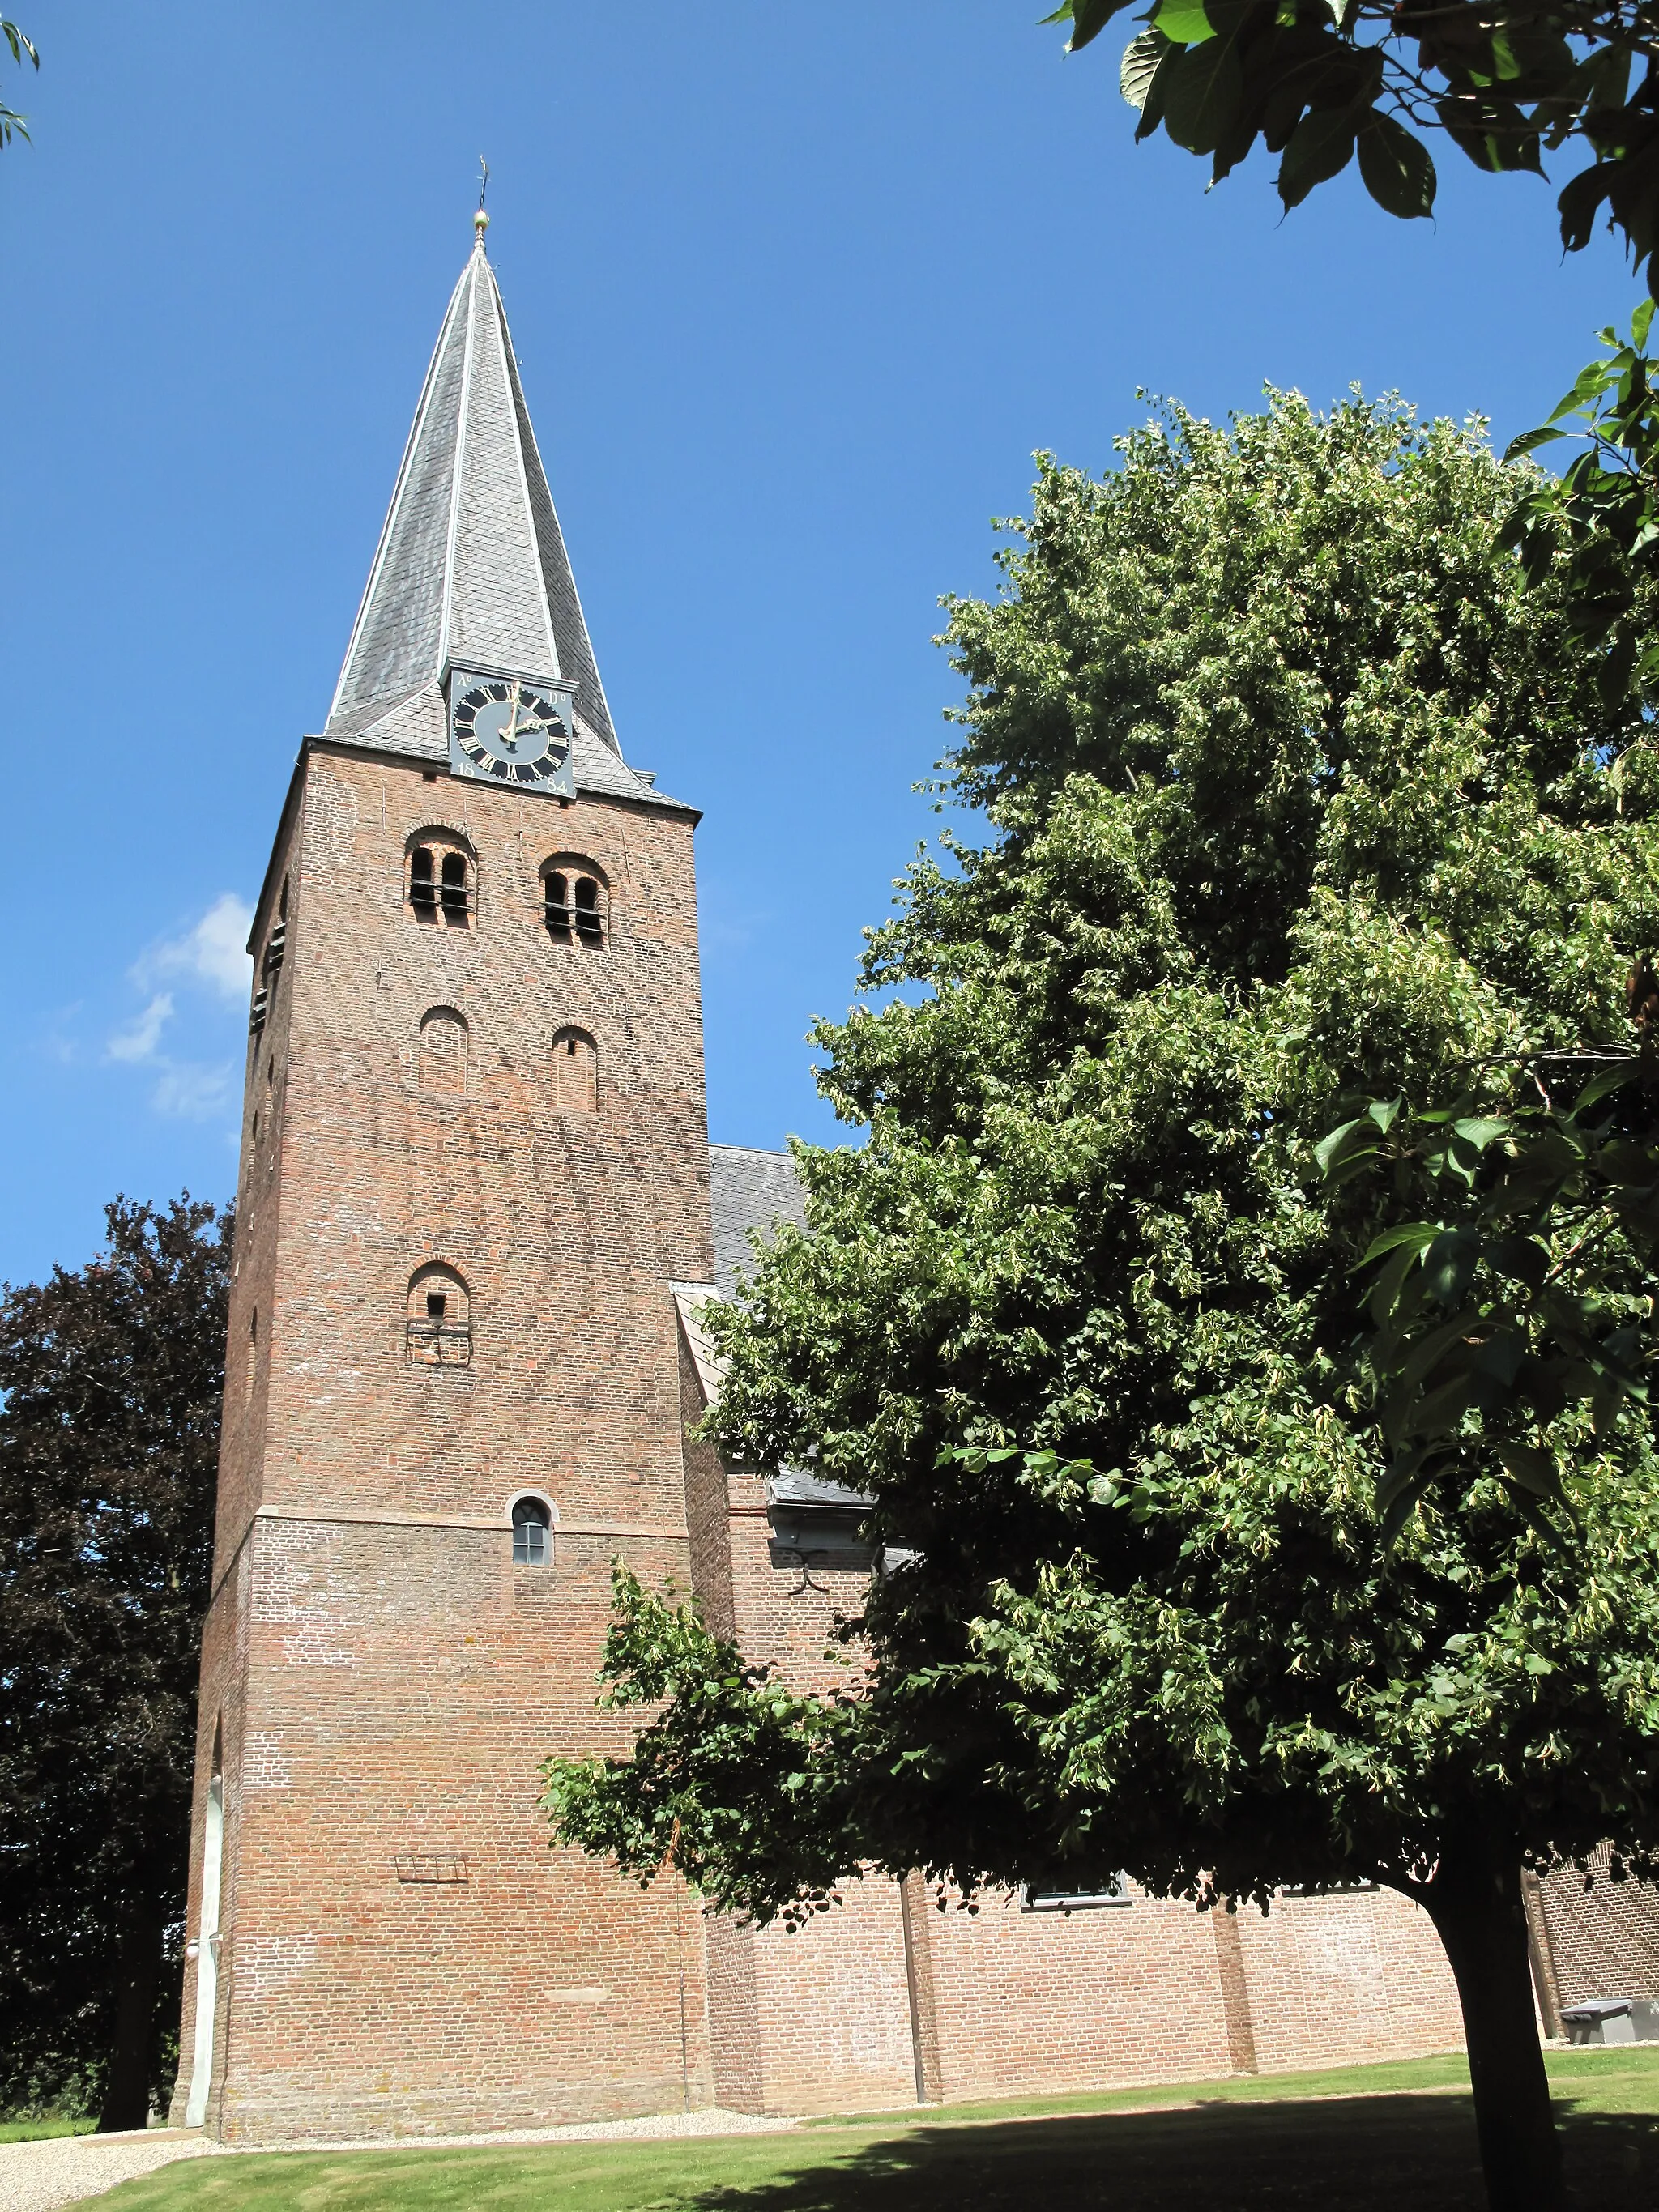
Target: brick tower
474, 1156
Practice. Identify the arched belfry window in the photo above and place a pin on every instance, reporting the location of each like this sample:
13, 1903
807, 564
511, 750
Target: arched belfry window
575, 1073
532, 1533
438, 1330
440, 879
577, 902
443, 1050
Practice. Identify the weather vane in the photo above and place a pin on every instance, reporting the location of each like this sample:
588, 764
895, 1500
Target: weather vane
481, 220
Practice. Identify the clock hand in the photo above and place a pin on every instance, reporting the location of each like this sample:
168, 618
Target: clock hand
508, 733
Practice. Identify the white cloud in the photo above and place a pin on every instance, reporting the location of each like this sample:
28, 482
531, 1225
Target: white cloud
213, 952
139, 1043
190, 1091
204, 962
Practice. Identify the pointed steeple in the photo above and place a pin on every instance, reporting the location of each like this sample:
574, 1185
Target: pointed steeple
470, 566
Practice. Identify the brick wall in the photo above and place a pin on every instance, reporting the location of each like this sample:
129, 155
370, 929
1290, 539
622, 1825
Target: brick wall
1342, 1980
1603, 1939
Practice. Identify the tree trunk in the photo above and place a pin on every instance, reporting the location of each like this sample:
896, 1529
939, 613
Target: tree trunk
1475, 1901
137, 1981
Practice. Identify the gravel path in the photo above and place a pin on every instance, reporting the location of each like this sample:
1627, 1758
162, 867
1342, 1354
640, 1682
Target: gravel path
39, 2176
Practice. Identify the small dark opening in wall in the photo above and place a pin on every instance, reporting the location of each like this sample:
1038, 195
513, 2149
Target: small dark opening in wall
437, 1304
590, 926
557, 901
428, 775
570, 1046
422, 894
455, 888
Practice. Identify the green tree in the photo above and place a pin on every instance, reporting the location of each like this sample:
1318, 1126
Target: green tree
1320, 82
111, 1377
1293, 795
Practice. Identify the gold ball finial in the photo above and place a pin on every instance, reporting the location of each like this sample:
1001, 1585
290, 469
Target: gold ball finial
480, 224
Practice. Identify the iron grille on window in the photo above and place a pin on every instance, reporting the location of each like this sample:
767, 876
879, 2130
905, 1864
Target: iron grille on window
576, 909
440, 886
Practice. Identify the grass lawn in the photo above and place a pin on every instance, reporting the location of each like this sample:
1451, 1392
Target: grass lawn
13, 2130
1322, 2141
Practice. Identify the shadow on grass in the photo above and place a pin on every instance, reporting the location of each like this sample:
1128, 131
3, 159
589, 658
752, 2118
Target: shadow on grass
1362, 2155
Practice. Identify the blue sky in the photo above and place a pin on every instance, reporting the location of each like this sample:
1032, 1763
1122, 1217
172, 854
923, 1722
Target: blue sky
797, 292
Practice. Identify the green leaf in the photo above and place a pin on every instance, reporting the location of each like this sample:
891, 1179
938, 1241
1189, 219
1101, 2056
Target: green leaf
1395, 167
1385, 1291
1640, 323
1530, 440
1140, 65
1419, 1235
1443, 1408
1604, 1085
1327, 1148
1428, 1353
1592, 379
1089, 18
1321, 146
1206, 90
1449, 1263
1183, 21
1578, 201
1385, 1112
1480, 1131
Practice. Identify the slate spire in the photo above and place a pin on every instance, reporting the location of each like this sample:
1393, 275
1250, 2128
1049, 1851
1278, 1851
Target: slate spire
471, 565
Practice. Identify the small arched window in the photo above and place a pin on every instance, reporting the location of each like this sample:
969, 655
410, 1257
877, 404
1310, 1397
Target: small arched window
443, 1050
575, 1073
576, 903
440, 885
532, 1534
438, 1329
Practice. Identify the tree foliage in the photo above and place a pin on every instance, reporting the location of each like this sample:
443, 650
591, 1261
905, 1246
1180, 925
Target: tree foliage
23, 48
1295, 797
1595, 529
111, 1377
1321, 85
1525, 1302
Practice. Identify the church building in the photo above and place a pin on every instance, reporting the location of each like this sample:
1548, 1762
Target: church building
478, 1218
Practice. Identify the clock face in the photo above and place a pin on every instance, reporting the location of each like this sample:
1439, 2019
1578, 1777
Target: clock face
510, 733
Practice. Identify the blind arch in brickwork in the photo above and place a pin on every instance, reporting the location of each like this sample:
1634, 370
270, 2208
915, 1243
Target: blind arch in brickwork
442, 1055
575, 1073
438, 1322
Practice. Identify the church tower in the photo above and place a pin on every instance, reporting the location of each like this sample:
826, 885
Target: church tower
474, 1158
